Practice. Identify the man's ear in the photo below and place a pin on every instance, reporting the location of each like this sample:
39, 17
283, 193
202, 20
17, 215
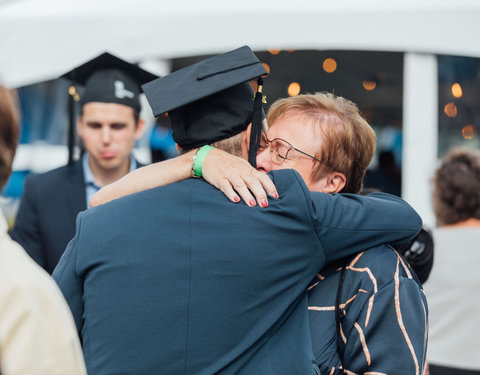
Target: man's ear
79, 125
246, 138
246, 141
140, 127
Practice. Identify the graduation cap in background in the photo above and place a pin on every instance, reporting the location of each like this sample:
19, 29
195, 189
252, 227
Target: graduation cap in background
106, 79
212, 100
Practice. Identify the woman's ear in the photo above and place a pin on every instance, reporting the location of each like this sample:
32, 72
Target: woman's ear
333, 182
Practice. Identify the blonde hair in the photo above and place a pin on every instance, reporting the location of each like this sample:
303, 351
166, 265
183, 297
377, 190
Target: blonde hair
8, 133
349, 141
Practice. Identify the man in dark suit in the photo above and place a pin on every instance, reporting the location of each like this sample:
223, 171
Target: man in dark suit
108, 127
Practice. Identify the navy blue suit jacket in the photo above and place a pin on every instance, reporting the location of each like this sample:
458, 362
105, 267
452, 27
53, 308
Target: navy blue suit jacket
45, 221
178, 280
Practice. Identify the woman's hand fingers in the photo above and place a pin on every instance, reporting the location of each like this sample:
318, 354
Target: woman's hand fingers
232, 175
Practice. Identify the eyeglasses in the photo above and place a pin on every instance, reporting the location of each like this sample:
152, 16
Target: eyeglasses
279, 149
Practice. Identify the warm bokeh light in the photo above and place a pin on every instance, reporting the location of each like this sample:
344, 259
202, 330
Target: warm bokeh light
293, 89
450, 109
457, 90
468, 131
369, 85
274, 51
290, 50
267, 67
329, 65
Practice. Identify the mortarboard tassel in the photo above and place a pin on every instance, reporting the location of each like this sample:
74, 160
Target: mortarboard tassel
73, 97
256, 131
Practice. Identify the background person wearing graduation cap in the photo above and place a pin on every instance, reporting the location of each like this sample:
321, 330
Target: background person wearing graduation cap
178, 280
108, 127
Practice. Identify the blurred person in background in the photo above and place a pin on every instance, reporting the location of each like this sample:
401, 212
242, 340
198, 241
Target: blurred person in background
108, 126
454, 284
37, 332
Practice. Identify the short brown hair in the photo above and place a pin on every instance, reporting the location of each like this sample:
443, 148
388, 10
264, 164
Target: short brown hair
456, 187
349, 141
8, 133
232, 145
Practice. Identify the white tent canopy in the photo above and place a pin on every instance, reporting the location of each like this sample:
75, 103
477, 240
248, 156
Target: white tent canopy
41, 39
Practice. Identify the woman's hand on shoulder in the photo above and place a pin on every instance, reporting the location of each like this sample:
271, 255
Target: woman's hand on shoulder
236, 178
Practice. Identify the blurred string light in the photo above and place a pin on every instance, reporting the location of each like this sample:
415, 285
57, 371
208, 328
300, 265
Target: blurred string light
290, 50
274, 51
369, 84
293, 89
457, 90
450, 109
329, 65
468, 131
267, 67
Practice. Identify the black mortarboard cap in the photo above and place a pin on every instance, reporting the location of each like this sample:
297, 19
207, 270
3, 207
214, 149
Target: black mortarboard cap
109, 79
106, 79
211, 100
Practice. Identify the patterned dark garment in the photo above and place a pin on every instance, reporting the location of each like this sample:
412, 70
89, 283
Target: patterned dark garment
383, 316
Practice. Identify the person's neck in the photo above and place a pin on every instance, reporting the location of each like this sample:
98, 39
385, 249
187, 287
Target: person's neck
104, 177
469, 223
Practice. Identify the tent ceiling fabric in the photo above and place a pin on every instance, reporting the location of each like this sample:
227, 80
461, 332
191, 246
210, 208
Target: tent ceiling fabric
41, 39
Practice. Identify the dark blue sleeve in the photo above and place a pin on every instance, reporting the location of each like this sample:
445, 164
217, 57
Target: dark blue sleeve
26, 230
67, 278
389, 336
348, 223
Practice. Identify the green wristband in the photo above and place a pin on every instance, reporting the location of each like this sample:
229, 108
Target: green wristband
198, 160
